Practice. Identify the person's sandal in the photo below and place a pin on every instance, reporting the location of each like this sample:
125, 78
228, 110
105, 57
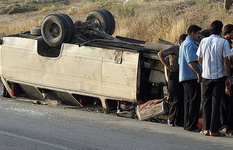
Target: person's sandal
205, 132
224, 130
217, 134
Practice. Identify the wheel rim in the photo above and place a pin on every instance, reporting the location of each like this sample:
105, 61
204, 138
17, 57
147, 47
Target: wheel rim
97, 21
94, 20
54, 30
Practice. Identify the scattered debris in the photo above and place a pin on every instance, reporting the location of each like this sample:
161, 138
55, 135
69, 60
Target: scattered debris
152, 109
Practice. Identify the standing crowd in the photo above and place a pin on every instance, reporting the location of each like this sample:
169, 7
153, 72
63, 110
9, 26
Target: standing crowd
200, 71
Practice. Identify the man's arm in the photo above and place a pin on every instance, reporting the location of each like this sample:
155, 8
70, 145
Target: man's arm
193, 65
200, 60
227, 68
163, 61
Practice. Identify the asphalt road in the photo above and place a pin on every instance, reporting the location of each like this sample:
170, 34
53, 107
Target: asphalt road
28, 126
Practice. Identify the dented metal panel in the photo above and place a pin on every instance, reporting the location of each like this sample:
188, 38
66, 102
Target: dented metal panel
83, 70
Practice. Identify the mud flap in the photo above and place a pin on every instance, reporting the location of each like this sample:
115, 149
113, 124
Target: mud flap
6, 85
32, 92
67, 98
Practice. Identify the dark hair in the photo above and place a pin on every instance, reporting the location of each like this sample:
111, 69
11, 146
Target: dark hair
216, 27
193, 28
228, 28
183, 36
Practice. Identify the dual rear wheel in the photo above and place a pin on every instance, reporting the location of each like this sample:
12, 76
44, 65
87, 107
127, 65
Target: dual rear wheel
59, 28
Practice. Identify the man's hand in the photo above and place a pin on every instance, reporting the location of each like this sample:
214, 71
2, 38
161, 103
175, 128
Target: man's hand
171, 68
193, 65
228, 91
199, 78
228, 84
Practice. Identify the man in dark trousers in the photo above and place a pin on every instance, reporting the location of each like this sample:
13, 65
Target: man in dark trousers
190, 76
175, 89
213, 53
227, 101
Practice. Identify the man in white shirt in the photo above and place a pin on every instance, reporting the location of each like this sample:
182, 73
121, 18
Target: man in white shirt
213, 53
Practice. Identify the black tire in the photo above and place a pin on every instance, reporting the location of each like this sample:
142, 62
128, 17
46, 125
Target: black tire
70, 26
36, 31
206, 32
104, 18
111, 21
56, 29
5, 93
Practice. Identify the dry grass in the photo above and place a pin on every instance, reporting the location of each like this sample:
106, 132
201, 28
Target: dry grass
22, 26
159, 20
146, 20
14, 26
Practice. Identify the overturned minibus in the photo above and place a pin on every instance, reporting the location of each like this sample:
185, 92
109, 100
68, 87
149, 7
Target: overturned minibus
79, 61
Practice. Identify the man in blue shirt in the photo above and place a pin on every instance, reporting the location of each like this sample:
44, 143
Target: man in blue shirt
190, 76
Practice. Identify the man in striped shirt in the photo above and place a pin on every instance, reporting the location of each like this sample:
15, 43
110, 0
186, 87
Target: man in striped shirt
213, 53
175, 89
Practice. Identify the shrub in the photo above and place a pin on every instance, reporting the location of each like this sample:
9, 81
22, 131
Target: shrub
127, 11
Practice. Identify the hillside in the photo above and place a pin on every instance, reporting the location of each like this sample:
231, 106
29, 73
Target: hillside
141, 19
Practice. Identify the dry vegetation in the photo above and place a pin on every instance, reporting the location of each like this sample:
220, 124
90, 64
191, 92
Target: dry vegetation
141, 19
